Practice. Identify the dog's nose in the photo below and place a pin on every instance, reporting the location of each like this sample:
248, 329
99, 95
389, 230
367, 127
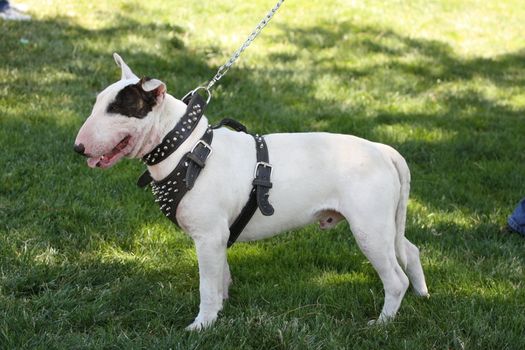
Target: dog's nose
80, 149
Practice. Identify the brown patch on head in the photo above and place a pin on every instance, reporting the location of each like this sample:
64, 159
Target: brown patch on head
133, 101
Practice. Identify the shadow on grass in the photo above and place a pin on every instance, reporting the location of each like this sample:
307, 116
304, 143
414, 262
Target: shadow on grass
270, 280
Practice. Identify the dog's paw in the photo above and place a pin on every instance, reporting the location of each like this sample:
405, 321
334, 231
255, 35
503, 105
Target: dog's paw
195, 326
381, 321
200, 324
422, 292
374, 323
423, 295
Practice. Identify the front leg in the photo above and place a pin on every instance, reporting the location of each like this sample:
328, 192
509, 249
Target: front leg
226, 280
211, 254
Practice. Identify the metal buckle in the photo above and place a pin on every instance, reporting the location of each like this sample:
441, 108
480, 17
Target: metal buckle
205, 146
264, 164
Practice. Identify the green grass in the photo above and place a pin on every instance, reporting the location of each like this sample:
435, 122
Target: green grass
88, 261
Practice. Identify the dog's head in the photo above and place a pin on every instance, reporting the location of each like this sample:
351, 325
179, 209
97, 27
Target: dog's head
122, 119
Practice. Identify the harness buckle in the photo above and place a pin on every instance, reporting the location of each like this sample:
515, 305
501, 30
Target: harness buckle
263, 164
205, 146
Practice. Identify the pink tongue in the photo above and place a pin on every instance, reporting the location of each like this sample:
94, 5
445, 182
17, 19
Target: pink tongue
106, 158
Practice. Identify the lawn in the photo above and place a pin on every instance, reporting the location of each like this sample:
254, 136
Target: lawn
88, 261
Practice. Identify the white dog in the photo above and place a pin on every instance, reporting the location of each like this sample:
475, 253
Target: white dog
316, 177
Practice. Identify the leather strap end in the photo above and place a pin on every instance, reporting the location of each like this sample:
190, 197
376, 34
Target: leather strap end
195, 159
267, 209
144, 180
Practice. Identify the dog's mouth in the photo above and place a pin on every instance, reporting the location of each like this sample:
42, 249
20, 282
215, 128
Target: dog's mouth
110, 158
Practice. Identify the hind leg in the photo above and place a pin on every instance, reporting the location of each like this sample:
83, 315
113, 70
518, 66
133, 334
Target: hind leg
414, 269
377, 243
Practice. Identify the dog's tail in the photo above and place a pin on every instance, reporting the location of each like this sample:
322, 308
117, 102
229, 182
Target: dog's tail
403, 173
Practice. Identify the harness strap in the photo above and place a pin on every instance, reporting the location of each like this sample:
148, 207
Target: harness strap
232, 124
263, 173
259, 193
243, 219
145, 179
197, 158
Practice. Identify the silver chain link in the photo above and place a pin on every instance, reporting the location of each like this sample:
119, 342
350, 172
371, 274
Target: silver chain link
225, 67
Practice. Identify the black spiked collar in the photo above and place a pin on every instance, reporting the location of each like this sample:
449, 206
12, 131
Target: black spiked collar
180, 132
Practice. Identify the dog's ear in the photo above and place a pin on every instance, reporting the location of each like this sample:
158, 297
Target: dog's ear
156, 86
126, 71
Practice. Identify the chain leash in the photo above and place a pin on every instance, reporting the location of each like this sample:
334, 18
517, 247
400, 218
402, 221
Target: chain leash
225, 67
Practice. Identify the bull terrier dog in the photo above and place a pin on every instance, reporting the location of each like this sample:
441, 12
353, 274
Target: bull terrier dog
319, 177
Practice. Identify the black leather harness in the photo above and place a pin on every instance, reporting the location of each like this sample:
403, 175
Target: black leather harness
169, 191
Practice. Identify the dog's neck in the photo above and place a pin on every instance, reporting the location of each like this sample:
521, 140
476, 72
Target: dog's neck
171, 112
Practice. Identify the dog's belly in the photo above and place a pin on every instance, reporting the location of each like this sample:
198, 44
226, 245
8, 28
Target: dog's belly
261, 227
